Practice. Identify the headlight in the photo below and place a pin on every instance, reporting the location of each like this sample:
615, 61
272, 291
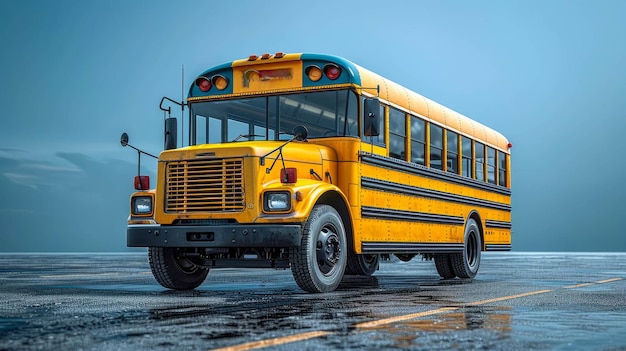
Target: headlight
277, 201
141, 205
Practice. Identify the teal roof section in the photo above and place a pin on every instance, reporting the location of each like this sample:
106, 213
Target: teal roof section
224, 70
349, 72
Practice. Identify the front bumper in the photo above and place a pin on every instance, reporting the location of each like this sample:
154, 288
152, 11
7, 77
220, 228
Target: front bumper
237, 235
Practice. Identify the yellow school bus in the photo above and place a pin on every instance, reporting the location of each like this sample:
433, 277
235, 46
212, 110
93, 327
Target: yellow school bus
313, 163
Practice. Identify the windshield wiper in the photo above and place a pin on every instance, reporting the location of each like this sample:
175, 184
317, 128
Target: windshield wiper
247, 136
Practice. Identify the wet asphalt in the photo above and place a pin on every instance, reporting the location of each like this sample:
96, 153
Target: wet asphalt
518, 301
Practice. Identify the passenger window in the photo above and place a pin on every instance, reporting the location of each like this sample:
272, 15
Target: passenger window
491, 165
466, 149
480, 161
436, 146
397, 134
501, 168
452, 152
418, 140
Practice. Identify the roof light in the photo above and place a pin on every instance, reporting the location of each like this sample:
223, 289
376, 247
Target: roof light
220, 82
313, 72
265, 56
203, 83
252, 57
509, 145
332, 71
279, 55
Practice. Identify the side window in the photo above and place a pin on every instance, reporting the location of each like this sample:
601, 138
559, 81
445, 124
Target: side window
397, 134
436, 146
480, 161
452, 152
501, 168
491, 165
466, 149
418, 140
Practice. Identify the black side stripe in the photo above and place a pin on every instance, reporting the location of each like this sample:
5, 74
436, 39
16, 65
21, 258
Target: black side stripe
498, 247
498, 224
412, 168
376, 184
385, 213
391, 247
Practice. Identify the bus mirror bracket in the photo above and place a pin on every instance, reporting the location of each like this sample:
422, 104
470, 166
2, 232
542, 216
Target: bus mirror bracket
371, 117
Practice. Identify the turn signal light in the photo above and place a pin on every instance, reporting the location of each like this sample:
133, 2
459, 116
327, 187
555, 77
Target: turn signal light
142, 182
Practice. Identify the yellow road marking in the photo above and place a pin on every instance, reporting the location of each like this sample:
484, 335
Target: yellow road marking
274, 342
379, 322
405, 317
508, 297
593, 283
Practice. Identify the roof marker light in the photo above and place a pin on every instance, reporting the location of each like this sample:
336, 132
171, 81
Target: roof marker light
252, 57
279, 55
265, 56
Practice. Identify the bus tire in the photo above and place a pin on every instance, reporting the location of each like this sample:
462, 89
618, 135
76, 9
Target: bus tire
466, 263
362, 264
319, 263
174, 272
444, 266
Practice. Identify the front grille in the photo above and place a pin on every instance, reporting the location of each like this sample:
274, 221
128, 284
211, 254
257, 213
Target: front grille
213, 185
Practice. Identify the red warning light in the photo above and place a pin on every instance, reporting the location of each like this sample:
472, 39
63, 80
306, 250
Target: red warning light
332, 72
203, 83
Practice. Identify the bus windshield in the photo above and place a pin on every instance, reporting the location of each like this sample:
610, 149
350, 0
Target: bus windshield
324, 113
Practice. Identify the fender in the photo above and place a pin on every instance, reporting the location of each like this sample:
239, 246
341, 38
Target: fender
305, 194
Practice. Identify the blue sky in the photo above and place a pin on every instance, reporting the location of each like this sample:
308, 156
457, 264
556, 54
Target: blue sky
549, 75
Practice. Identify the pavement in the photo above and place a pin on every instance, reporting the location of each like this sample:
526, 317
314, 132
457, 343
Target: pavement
518, 301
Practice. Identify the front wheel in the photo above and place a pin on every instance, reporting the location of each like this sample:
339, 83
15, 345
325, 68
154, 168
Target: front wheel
466, 263
319, 263
173, 271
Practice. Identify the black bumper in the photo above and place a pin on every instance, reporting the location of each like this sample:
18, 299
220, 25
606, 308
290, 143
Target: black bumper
238, 235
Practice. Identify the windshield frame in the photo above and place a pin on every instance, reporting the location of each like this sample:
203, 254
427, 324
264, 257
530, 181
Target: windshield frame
325, 113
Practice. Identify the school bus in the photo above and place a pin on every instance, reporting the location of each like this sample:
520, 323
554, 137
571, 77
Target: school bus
313, 163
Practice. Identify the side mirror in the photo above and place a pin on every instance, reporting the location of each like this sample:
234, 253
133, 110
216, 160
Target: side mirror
300, 133
124, 139
171, 133
371, 117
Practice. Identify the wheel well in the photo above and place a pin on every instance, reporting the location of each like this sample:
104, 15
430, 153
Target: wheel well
335, 200
476, 217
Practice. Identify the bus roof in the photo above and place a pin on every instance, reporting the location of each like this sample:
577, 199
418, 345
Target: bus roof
373, 84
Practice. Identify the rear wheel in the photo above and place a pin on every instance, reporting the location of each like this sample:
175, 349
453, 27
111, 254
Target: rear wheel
319, 263
173, 271
444, 266
466, 263
362, 264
